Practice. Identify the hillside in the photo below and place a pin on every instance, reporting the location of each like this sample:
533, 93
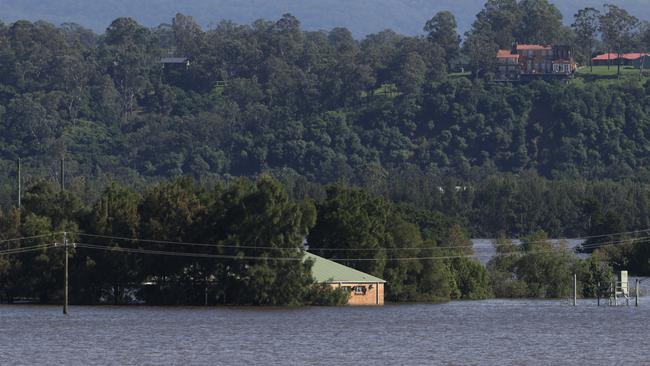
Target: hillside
361, 16
310, 109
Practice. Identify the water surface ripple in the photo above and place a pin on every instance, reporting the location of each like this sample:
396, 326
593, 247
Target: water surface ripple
491, 332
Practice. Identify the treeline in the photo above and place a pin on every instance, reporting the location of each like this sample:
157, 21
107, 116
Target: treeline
251, 236
180, 242
521, 204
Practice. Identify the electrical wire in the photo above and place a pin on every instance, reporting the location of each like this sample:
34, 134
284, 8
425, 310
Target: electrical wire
29, 237
615, 242
151, 241
26, 249
225, 256
181, 254
339, 249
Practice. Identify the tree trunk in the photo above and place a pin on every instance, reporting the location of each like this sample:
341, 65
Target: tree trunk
618, 64
591, 62
609, 59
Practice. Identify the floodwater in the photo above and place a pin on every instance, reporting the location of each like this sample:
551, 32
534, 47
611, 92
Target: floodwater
490, 332
484, 249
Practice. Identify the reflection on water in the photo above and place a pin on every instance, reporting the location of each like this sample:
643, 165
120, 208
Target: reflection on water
499, 332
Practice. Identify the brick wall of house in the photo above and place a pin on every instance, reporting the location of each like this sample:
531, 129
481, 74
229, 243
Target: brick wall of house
373, 295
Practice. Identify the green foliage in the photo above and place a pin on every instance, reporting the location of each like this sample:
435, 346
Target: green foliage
325, 295
354, 224
540, 268
441, 30
594, 277
541, 22
460, 157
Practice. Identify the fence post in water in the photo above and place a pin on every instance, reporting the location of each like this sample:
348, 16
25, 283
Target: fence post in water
598, 293
636, 290
575, 289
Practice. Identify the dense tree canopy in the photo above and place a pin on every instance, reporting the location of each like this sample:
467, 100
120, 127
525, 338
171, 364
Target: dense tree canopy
136, 106
237, 243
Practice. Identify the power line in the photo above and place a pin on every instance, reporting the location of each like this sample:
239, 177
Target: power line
153, 241
29, 237
239, 257
181, 254
615, 242
26, 249
225, 256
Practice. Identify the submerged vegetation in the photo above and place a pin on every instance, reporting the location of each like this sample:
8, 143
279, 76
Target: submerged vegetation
242, 243
250, 235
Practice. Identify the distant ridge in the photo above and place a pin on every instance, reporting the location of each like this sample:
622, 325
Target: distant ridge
362, 17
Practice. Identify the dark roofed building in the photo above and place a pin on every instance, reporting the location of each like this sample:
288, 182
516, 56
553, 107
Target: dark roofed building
175, 61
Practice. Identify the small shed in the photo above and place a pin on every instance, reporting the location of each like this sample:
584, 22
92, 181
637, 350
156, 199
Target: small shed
364, 289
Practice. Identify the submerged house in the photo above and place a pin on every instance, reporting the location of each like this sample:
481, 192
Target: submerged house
364, 289
534, 61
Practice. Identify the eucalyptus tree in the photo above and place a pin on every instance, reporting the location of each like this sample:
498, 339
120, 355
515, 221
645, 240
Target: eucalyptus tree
585, 26
617, 27
441, 30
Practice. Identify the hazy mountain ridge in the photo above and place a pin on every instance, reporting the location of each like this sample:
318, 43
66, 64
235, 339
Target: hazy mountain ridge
361, 17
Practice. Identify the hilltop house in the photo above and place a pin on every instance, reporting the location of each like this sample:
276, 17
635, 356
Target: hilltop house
364, 289
533, 61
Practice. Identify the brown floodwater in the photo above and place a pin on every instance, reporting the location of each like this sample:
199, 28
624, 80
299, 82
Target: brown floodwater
491, 332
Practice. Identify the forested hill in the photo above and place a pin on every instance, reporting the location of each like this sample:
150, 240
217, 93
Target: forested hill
362, 17
315, 108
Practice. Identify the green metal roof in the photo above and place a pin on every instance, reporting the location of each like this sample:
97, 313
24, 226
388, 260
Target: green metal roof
327, 271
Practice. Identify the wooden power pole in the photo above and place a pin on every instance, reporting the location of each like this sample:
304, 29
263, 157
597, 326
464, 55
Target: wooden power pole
65, 281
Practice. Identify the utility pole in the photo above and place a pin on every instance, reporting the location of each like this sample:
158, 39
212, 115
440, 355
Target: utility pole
65, 282
19, 185
206, 296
